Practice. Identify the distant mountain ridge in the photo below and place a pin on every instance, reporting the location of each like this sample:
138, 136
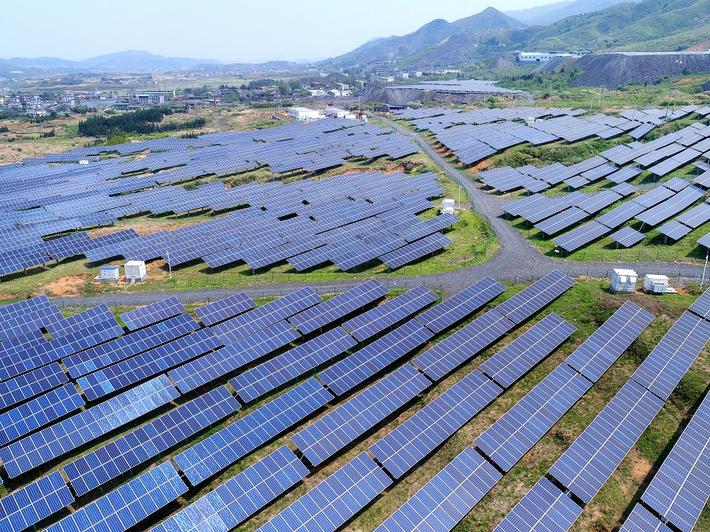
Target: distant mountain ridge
551, 13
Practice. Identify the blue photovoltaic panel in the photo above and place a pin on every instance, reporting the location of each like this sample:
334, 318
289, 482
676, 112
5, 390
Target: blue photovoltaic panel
680, 489
17, 344
343, 425
607, 343
260, 318
81, 428
443, 501
127, 505
355, 369
701, 306
225, 308
246, 434
31, 384
533, 298
523, 353
27, 506
461, 305
508, 439
27, 316
338, 307
662, 369
207, 368
38, 412
231, 503
641, 520
591, 459
410, 442
336, 500
463, 345
295, 362
544, 507
148, 364
148, 441
129, 344
153, 313
389, 313
81, 320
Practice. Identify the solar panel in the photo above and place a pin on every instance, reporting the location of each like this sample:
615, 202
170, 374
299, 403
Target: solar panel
279, 370
224, 308
415, 250
588, 463
463, 345
79, 429
701, 306
338, 307
30, 384
213, 365
429, 427
127, 505
544, 507
560, 222
18, 319
27, 506
148, 441
38, 412
460, 305
153, 313
389, 313
232, 502
681, 487
606, 344
523, 353
672, 206
334, 501
674, 230
662, 369
696, 216
341, 426
641, 520
355, 369
508, 439
81, 320
627, 237
145, 365
443, 501
246, 434
581, 236
533, 298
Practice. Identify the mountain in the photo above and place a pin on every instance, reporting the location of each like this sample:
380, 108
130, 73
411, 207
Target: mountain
433, 35
551, 13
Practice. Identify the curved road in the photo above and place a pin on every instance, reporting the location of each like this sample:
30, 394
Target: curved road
517, 259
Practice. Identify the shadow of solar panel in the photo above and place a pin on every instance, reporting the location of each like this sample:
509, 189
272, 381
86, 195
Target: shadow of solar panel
145, 365
641, 520
460, 305
443, 501
536, 296
607, 343
338, 307
277, 371
233, 502
38, 412
514, 434
127, 505
389, 313
701, 306
336, 500
27, 506
155, 312
31, 384
680, 489
129, 344
213, 365
224, 308
588, 463
662, 369
410, 442
79, 429
544, 507
248, 433
526, 351
259, 318
343, 425
463, 345
148, 441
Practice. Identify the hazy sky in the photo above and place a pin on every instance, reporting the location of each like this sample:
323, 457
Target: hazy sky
238, 30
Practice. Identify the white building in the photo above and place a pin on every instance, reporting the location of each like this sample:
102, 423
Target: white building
135, 270
334, 112
655, 284
304, 114
623, 280
541, 57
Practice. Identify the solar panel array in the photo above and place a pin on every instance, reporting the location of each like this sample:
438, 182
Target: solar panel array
31, 504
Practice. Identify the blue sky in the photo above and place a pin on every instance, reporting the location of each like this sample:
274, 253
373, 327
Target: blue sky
238, 30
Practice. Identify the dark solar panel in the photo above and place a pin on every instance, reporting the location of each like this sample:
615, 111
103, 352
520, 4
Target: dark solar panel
536, 296
701, 306
153, 313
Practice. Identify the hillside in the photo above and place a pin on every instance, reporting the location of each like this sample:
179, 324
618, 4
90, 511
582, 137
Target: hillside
551, 13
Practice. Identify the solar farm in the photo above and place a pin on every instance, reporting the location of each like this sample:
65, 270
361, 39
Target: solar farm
651, 191
309, 412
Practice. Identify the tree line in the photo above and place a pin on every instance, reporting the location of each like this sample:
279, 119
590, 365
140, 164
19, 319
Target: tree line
142, 121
